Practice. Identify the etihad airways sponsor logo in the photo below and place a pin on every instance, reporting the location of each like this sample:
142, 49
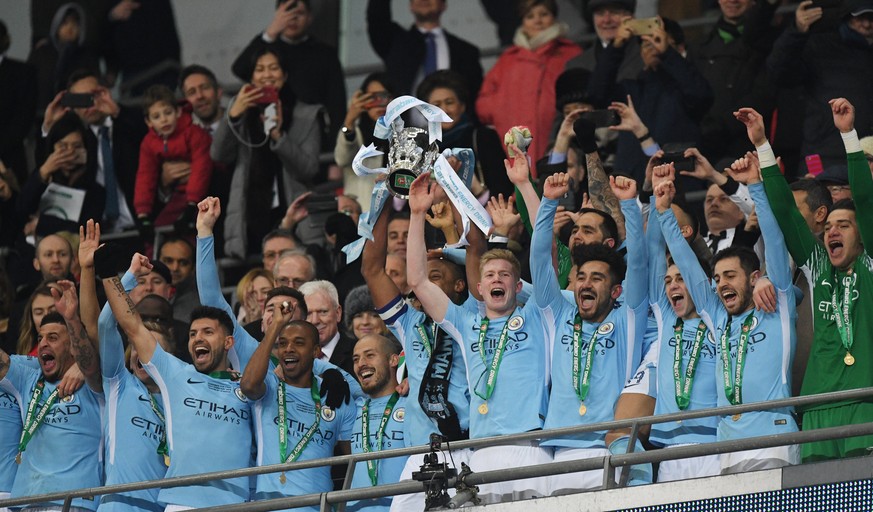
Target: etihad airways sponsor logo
216, 411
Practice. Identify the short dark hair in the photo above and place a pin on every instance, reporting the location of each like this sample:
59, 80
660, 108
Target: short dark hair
674, 30
157, 94
704, 265
289, 292
583, 253
609, 228
83, 73
444, 79
213, 314
308, 327
523, 6
748, 259
53, 318
817, 193
381, 78
174, 239
279, 233
844, 204
304, 2
196, 69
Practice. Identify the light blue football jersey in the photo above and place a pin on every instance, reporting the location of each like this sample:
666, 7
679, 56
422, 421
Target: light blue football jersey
71, 428
334, 425
10, 428
202, 413
403, 324
617, 346
387, 470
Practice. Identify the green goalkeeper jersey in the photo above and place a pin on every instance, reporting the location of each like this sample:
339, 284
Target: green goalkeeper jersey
828, 368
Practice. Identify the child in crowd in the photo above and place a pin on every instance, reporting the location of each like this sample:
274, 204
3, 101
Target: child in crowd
172, 137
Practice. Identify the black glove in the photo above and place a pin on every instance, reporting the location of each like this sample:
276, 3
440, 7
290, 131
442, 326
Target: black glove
585, 135
187, 222
334, 389
110, 260
146, 229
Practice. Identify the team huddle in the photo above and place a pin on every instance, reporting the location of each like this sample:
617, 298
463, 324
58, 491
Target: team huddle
627, 320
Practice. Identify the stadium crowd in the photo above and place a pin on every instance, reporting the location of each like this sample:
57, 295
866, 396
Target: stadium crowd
669, 225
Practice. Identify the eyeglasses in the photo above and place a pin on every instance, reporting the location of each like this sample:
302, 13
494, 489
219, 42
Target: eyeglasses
288, 281
833, 189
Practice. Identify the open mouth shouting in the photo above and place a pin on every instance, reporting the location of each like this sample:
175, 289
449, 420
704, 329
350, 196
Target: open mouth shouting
677, 300
835, 248
48, 362
729, 298
587, 300
201, 354
366, 376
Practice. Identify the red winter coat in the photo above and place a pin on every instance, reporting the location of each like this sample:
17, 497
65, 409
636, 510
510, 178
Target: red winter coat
188, 142
520, 90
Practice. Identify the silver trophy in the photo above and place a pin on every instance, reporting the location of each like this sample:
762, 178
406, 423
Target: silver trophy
409, 155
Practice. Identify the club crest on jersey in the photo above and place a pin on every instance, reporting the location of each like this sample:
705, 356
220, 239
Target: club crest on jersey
754, 323
605, 328
239, 394
515, 323
399, 414
327, 414
67, 399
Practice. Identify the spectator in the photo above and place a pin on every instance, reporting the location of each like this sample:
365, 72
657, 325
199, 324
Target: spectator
285, 157
294, 267
275, 243
365, 108
836, 178
200, 87
116, 132
251, 295
669, 94
412, 54
446, 90
18, 97
172, 137
72, 164
10, 223
322, 82
64, 53
830, 62
608, 16
398, 232
732, 58
359, 314
520, 88
43, 12
325, 313
178, 255
145, 43
38, 305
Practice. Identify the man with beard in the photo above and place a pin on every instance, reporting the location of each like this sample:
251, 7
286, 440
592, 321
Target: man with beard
54, 424
754, 348
437, 375
839, 275
505, 359
379, 419
291, 401
594, 345
205, 395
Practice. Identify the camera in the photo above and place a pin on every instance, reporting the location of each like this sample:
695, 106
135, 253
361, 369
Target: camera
321, 203
675, 153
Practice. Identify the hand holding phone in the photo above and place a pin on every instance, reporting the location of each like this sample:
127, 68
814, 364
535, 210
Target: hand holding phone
77, 100
643, 26
269, 95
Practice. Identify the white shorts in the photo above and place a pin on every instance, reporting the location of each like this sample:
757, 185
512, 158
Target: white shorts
644, 380
511, 456
684, 469
764, 458
570, 483
175, 508
405, 502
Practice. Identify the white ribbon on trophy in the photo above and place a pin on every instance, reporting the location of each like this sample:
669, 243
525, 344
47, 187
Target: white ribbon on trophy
461, 196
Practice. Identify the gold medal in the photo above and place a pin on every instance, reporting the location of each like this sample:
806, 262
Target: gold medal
736, 417
849, 359
18, 458
282, 478
582, 410
483, 409
166, 460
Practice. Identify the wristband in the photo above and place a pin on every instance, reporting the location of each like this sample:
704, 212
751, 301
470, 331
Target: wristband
644, 136
766, 157
498, 239
851, 141
110, 259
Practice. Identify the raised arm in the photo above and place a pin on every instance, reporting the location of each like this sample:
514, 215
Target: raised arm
112, 361
656, 248
801, 242
636, 290
89, 307
108, 260
599, 191
547, 290
518, 171
252, 382
860, 178
434, 301
382, 288
82, 348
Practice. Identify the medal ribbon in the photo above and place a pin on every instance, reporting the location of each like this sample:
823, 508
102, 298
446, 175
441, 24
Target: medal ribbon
683, 384
283, 428
494, 367
225, 375
733, 387
34, 418
163, 449
581, 386
372, 465
422, 333
843, 315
